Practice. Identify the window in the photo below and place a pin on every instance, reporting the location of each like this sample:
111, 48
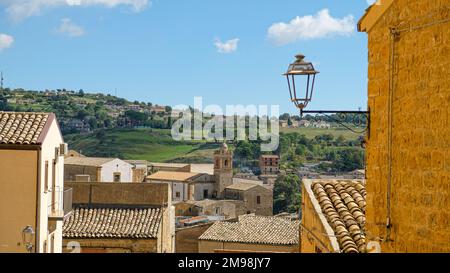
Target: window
46, 176
217, 210
258, 199
177, 194
226, 162
205, 193
53, 186
116, 177
52, 243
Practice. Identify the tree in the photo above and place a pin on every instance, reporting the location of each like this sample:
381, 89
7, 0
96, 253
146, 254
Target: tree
284, 116
286, 194
348, 160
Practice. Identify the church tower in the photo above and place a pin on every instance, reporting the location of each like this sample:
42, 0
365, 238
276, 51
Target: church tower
223, 169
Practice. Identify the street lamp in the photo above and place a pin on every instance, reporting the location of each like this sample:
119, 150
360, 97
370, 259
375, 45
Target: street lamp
298, 70
301, 69
28, 237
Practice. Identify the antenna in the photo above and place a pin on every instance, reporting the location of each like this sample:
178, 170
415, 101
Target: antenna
1, 81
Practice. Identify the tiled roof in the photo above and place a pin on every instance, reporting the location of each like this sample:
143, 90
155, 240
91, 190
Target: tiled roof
343, 203
113, 223
21, 128
255, 230
172, 176
87, 161
168, 165
242, 186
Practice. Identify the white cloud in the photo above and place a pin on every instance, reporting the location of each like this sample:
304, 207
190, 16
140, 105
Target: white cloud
371, 2
19, 10
320, 25
69, 28
226, 47
6, 41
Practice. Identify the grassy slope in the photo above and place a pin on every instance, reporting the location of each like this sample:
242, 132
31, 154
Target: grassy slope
148, 144
157, 144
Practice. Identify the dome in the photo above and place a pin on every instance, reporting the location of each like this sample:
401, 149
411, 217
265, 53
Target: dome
224, 146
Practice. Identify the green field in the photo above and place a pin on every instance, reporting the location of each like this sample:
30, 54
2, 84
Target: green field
149, 144
157, 144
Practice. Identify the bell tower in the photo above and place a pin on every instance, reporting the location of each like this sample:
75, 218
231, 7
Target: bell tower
223, 169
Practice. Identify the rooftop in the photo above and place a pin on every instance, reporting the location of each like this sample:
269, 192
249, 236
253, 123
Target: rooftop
242, 186
255, 230
87, 161
139, 223
172, 176
168, 165
269, 156
342, 204
22, 128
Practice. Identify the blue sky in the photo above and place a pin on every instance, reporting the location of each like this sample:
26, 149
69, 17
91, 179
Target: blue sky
168, 51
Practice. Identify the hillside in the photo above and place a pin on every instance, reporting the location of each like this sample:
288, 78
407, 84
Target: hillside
149, 144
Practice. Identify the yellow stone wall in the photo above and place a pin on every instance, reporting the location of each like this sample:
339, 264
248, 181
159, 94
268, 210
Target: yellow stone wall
420, 138
313, 238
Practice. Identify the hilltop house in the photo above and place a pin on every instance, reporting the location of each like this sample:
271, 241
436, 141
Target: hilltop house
32, 190
97, 169
269, 164
408, 148
251, 233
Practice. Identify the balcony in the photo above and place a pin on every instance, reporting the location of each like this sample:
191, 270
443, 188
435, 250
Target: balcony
61, 205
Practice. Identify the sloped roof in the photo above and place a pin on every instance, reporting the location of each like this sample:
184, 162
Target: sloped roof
23, 128
105, 222
373, 14
168, 165
254, 229
343, 204
242, 186
87, 161
173, 176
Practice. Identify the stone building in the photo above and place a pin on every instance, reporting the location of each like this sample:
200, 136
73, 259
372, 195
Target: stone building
32, 190
223, 169
269, 164
185, 185
408, 146
333, 216
139, 170
256, 198
186, 238
97, 169
251, 233
120, 217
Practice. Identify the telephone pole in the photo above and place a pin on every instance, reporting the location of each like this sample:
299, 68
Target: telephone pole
1, 81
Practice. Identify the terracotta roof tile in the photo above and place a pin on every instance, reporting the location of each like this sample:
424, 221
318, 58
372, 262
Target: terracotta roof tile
113, 223
256, 230
343, 203
173, 176
21, 128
